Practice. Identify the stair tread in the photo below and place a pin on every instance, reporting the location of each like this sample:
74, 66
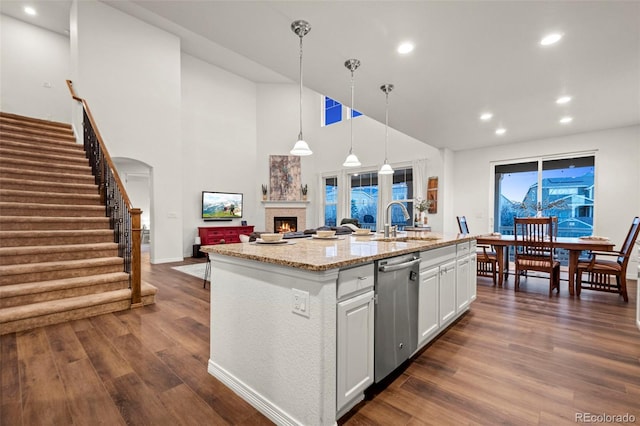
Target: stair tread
26, 163
52, 219
41, 156
43, 173
49, 206
48, 194
75, 149
8, 116
54, 233
27, 182
22, 250
15, 313
60, 265
13, 290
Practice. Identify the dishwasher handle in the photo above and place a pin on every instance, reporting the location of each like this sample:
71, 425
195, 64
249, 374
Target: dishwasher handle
398, 266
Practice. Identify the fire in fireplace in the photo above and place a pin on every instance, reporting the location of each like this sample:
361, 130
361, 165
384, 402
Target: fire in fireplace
284, 224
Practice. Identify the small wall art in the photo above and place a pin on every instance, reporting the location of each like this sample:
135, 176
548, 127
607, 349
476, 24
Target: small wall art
432, 194
284, 177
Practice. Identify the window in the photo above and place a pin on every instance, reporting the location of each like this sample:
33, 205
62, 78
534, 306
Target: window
332, 112
551, 187
402, 190
330, 201
364, 199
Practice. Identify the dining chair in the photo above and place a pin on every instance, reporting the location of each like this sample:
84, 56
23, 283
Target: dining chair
534, 240
600, 270
487, 260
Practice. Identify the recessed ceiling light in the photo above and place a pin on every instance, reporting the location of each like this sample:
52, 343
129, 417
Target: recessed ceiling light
563, 100
29, 10
486, 116
501, 131
566, 120
550, 39
405, 47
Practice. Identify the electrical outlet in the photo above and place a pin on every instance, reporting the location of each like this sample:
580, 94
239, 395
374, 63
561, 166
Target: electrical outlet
300, 302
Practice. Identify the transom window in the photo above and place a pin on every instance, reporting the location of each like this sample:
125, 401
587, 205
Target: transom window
333, 112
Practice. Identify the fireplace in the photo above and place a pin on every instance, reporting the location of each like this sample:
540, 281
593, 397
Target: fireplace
284, 224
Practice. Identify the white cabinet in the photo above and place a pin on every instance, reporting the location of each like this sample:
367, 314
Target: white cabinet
473, 282
428, 321
447, 287
355, 332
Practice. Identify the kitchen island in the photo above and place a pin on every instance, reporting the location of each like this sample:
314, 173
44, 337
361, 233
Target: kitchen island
292, 324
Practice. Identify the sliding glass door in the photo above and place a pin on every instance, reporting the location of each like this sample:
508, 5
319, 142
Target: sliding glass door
561, 187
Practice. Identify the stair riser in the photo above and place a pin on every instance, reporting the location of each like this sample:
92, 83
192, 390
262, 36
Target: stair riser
48, 187
51, 199
39, 142
59, 317
47, 177
42, 157
45, 167
62, 293
34, 123
59, 274
53, 226
27, 146
55, 134
51, 241
53, 212
52, 257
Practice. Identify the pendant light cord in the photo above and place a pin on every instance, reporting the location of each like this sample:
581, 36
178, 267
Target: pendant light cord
386, 129
300, 135
352, 109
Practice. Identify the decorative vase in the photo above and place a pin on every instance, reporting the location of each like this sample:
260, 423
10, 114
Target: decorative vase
264, 197
304, 197
425, 220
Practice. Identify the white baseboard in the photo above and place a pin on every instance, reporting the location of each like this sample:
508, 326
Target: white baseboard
260, 403
167, 260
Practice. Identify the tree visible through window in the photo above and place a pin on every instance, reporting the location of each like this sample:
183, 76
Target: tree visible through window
560, 187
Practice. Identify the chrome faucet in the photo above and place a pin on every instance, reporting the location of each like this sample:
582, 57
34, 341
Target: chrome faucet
406, 214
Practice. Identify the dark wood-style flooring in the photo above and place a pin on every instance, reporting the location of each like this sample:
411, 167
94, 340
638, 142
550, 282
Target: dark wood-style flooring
515, 359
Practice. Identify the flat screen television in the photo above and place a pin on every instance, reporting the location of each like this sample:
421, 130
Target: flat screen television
221, 205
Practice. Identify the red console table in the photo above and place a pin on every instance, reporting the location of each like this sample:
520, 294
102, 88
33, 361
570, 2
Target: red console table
222, 234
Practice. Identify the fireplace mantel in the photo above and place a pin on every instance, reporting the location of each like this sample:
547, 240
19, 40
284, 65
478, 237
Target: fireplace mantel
285, 204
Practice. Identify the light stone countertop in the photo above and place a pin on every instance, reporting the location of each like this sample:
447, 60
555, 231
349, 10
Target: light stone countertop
314, 254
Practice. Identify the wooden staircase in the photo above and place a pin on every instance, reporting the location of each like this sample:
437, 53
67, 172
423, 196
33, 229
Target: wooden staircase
58, 258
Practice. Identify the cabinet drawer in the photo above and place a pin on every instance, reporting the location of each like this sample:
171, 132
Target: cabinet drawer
436, 256
354, 280
462, 249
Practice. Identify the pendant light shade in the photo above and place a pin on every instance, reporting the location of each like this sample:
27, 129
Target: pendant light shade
386, 168
352, 159
301, 28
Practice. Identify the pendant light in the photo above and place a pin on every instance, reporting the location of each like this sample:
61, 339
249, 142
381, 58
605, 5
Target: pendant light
352, 160
301, 28
386, 168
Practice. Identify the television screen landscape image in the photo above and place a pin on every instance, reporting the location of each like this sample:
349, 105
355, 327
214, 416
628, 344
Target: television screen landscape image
221, 205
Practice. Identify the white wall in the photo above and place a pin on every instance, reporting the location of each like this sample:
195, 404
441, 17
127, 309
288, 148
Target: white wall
617, 196
219, 134
31, 57
129, 73
278, 127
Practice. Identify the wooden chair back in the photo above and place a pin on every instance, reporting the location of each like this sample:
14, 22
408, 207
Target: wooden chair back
462, 224
534, 238
632, 236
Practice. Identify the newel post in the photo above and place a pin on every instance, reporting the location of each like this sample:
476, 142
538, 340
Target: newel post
136, 291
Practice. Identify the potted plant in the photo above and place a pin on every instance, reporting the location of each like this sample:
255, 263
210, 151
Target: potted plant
304, 188
264, 192
422, 205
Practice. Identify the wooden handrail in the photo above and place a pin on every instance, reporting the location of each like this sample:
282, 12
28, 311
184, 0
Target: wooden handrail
132, 258
105, 152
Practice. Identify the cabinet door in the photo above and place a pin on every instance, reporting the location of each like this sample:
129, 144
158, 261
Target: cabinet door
462, 283
473, 278
355, 347
428, 304
447, 288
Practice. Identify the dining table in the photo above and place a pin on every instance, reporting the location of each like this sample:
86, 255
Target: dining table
574, 245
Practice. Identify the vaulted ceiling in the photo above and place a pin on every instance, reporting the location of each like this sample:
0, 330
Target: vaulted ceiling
470, 57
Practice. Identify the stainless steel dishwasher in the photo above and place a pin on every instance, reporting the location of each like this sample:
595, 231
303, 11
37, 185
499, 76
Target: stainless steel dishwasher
396, 312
